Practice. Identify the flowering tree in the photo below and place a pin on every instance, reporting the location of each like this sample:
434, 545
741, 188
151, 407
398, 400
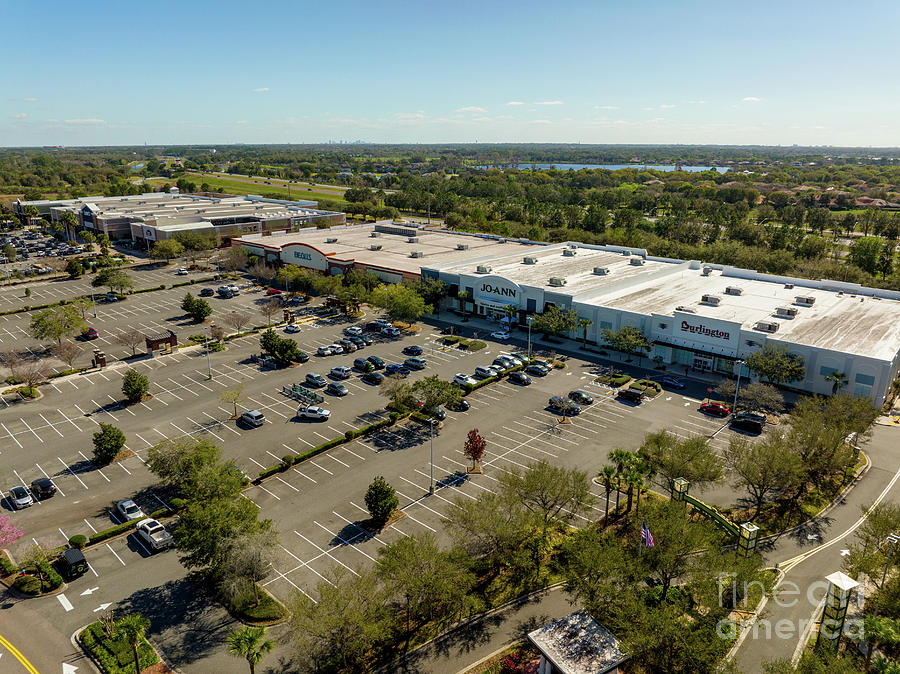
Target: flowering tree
474, 447
9, 532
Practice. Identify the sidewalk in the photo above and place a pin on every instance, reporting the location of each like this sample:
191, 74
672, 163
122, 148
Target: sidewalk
457, 650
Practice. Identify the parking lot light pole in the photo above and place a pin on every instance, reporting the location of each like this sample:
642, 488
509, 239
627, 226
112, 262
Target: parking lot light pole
740, 366
93, 304
529, 320
208, 363
892, 539
431, 486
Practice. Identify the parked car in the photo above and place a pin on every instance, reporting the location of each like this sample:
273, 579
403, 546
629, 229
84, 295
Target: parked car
273, 291
354, 330
316, 380
512, 358
72, 564
181, 272
90, 333
581, 397
382, 323
537, 370
292, 328
154, 534
43, 488
671, 382
253, 418
303, 357
395, 368
464, 379
501, 363
336, 389
363, 365
19, 497
412, 350
341, 372
520, 378
462, 405
376, 361
128, 510
373, 378
752, 422
716, 409
415, 363
390, 332
485, 371
630, 395
436, 413
349, 347
112, 297
325, 351
313, 412
359, 342
501, 335
207, 292
564, 405
337, 349
365, 339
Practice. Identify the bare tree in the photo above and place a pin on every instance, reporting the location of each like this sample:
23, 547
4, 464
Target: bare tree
248, 562
234, 259
13, 362
262, 271
270, 308
216, 333
67, 352
130, 339
34, 372
236, 320
233, 396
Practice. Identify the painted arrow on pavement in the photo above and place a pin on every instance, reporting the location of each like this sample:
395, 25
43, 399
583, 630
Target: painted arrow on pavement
102, 607
90, 591
68, 669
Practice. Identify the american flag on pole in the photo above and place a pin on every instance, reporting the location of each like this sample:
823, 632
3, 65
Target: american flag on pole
646, 536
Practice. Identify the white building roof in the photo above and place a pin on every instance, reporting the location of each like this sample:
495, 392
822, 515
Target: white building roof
578, 644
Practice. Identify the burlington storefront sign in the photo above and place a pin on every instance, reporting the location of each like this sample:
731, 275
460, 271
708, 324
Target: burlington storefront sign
700, 329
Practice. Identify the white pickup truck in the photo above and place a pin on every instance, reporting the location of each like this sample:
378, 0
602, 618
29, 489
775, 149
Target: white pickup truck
154, 534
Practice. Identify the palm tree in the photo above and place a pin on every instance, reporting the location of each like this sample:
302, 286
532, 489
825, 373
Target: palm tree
838, 381
880, 631
509, 311
607, 474
584, 324
250, 643
619, 459
132, 628
463, 297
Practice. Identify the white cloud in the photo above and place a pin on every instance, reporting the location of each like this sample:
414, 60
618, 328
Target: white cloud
90, 120
751, 99
649, 109
418, 114
515, 103
20, 115
541, 121
667, 106
606, 107
30, 99
261, 90
482, 119
697, 102
548, 102
471, 108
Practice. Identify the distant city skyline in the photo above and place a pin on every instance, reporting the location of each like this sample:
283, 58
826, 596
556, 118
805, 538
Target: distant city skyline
678, 72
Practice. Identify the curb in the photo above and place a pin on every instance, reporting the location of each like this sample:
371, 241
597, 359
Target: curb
745, 628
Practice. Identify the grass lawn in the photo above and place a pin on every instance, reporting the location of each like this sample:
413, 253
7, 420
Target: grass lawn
238, 187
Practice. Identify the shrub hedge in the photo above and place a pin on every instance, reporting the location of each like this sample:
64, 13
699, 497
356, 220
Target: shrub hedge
6, 566
27, 585
64, 373
78, 541
106, 534
162, 286
115, 656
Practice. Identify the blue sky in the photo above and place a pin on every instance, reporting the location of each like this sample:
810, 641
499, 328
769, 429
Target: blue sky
110, 73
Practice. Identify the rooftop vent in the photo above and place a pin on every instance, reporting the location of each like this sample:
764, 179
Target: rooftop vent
331, 239
483, 269
501, 240
556, 281
786, 312
529, 260
734, 290
413, 239
626, 252
375, 234
789, 286
804, 300
637, 261
375, 246
712, 300
765, 326
462, 246
686, 309
417, 253
707, 271
601, 271
569, 252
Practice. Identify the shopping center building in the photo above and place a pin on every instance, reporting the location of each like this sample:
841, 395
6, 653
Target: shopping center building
703, 317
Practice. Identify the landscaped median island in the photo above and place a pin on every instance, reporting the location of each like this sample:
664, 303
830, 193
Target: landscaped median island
112, 644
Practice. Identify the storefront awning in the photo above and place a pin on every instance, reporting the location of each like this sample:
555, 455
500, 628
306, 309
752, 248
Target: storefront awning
700, 351
499, 306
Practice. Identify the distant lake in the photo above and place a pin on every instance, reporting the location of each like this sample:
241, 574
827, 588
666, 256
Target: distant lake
612, 167
138, 167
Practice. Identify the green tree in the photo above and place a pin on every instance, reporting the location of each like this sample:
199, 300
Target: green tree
838, 381
765, 468
870, 548
56, 323
433, 392
583, 325
70, 221
248, 561
556, 320
196, 308
381, 500
760, 396
132, 629
9, 252
135, 386
208, 526
251, 644
114, 279
400, 302
865, 252
183, 463
776, 364
74, 268
108, 442
628, 339
671, 457
432, 291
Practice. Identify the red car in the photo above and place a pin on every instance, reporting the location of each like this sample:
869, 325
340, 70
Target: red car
90, 333
716, 409
273, 291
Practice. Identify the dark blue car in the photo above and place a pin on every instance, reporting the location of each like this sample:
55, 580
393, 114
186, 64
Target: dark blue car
413, 350
395, 368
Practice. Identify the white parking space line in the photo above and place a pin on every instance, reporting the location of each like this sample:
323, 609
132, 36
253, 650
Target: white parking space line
221, 423
320, 467
343, 541
66, 418
31, 429
11, 435
48, 477
98, 470
115, 553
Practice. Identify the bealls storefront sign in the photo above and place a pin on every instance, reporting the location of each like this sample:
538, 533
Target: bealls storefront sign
302, 256
487, 288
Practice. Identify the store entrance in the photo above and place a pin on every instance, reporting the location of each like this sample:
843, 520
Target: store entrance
703, 363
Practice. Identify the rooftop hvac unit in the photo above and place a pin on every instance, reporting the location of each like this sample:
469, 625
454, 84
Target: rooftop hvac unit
686, 309
734, 290
707, 271
601, 271
483, 269
529, 260
637, 261
375, 234
557, 281
501, 240
712, 300
331, 239
462, 246
789, 286
569, 252
417, 253
804, 301
765, 326
626, 252
786, 312
413, 239
375, 246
